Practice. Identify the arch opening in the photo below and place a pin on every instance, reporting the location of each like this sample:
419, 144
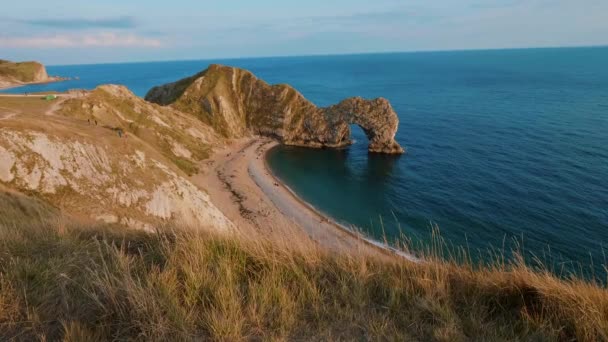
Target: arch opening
358, 135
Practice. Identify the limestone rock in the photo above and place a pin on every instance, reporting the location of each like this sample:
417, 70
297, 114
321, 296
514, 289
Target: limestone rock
181, 138
20, 73
103, 177
237, 104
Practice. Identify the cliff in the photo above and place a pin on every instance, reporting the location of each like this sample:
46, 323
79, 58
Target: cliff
236, 103
110, 156
22, 73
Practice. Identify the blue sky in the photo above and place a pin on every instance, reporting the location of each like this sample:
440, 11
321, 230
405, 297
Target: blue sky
76, 31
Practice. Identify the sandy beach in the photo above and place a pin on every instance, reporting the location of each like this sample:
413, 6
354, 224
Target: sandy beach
241, 185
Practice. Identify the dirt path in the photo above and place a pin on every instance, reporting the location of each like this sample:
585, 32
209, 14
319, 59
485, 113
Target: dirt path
57, 104
5, 115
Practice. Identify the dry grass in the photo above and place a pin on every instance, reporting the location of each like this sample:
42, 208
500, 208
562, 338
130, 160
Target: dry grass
32, 104
80, 282
22, 71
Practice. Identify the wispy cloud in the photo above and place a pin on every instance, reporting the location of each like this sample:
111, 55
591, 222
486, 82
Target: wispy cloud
106, 39
496, 4
82, 23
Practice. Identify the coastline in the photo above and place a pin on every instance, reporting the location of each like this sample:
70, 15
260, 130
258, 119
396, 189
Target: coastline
50, 80
241, 184
328, 219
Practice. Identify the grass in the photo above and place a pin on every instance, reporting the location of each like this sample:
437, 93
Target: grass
185, 165
23, 71
26, 104
64, 280
140, 124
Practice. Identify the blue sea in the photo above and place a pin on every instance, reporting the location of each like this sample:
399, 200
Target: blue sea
501, 144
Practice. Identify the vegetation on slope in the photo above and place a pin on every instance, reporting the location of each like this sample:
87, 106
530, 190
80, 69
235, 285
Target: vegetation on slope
22, 71
115, 107
76, 282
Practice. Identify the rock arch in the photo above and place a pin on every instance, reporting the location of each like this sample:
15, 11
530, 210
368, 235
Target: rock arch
377, 119
236, 103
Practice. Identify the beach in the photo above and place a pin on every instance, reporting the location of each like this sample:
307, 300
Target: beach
241, 185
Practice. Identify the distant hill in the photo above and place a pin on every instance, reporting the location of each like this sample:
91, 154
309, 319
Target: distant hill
20, 73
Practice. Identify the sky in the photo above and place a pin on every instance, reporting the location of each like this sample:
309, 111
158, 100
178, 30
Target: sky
80, 32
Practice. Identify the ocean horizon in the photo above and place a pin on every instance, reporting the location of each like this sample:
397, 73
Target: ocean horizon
228, 58
503, 145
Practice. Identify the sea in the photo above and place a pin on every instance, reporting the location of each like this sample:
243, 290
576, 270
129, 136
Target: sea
505, 148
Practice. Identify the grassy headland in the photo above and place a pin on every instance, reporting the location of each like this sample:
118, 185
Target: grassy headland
65, 280
15, 74
23, 71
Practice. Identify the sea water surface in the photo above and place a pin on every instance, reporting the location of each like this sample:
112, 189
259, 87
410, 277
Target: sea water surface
501, 144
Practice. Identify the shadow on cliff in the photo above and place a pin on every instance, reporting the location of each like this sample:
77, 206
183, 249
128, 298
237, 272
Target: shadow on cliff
178, 89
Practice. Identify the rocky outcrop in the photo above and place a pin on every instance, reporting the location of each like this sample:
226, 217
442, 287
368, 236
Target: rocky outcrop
237, 104
22, 73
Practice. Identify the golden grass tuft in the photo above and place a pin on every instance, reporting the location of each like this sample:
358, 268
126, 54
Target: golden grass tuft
73, 282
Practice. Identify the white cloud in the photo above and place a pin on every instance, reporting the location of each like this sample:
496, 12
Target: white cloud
104, 39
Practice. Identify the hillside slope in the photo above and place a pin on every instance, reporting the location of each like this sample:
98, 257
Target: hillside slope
130, 168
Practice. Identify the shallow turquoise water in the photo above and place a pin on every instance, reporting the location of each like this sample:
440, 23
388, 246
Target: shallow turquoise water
501, 144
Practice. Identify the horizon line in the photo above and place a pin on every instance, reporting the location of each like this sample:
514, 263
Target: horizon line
340, 54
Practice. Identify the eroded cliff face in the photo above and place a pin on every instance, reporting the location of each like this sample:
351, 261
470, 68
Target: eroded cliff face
72, 157
131, 187
12, 74
237, 104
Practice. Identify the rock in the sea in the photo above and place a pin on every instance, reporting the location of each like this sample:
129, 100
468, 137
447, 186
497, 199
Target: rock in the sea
236, 103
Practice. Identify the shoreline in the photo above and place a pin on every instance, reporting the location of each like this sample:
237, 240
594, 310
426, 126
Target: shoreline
325, 217
240, 183
18, 85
